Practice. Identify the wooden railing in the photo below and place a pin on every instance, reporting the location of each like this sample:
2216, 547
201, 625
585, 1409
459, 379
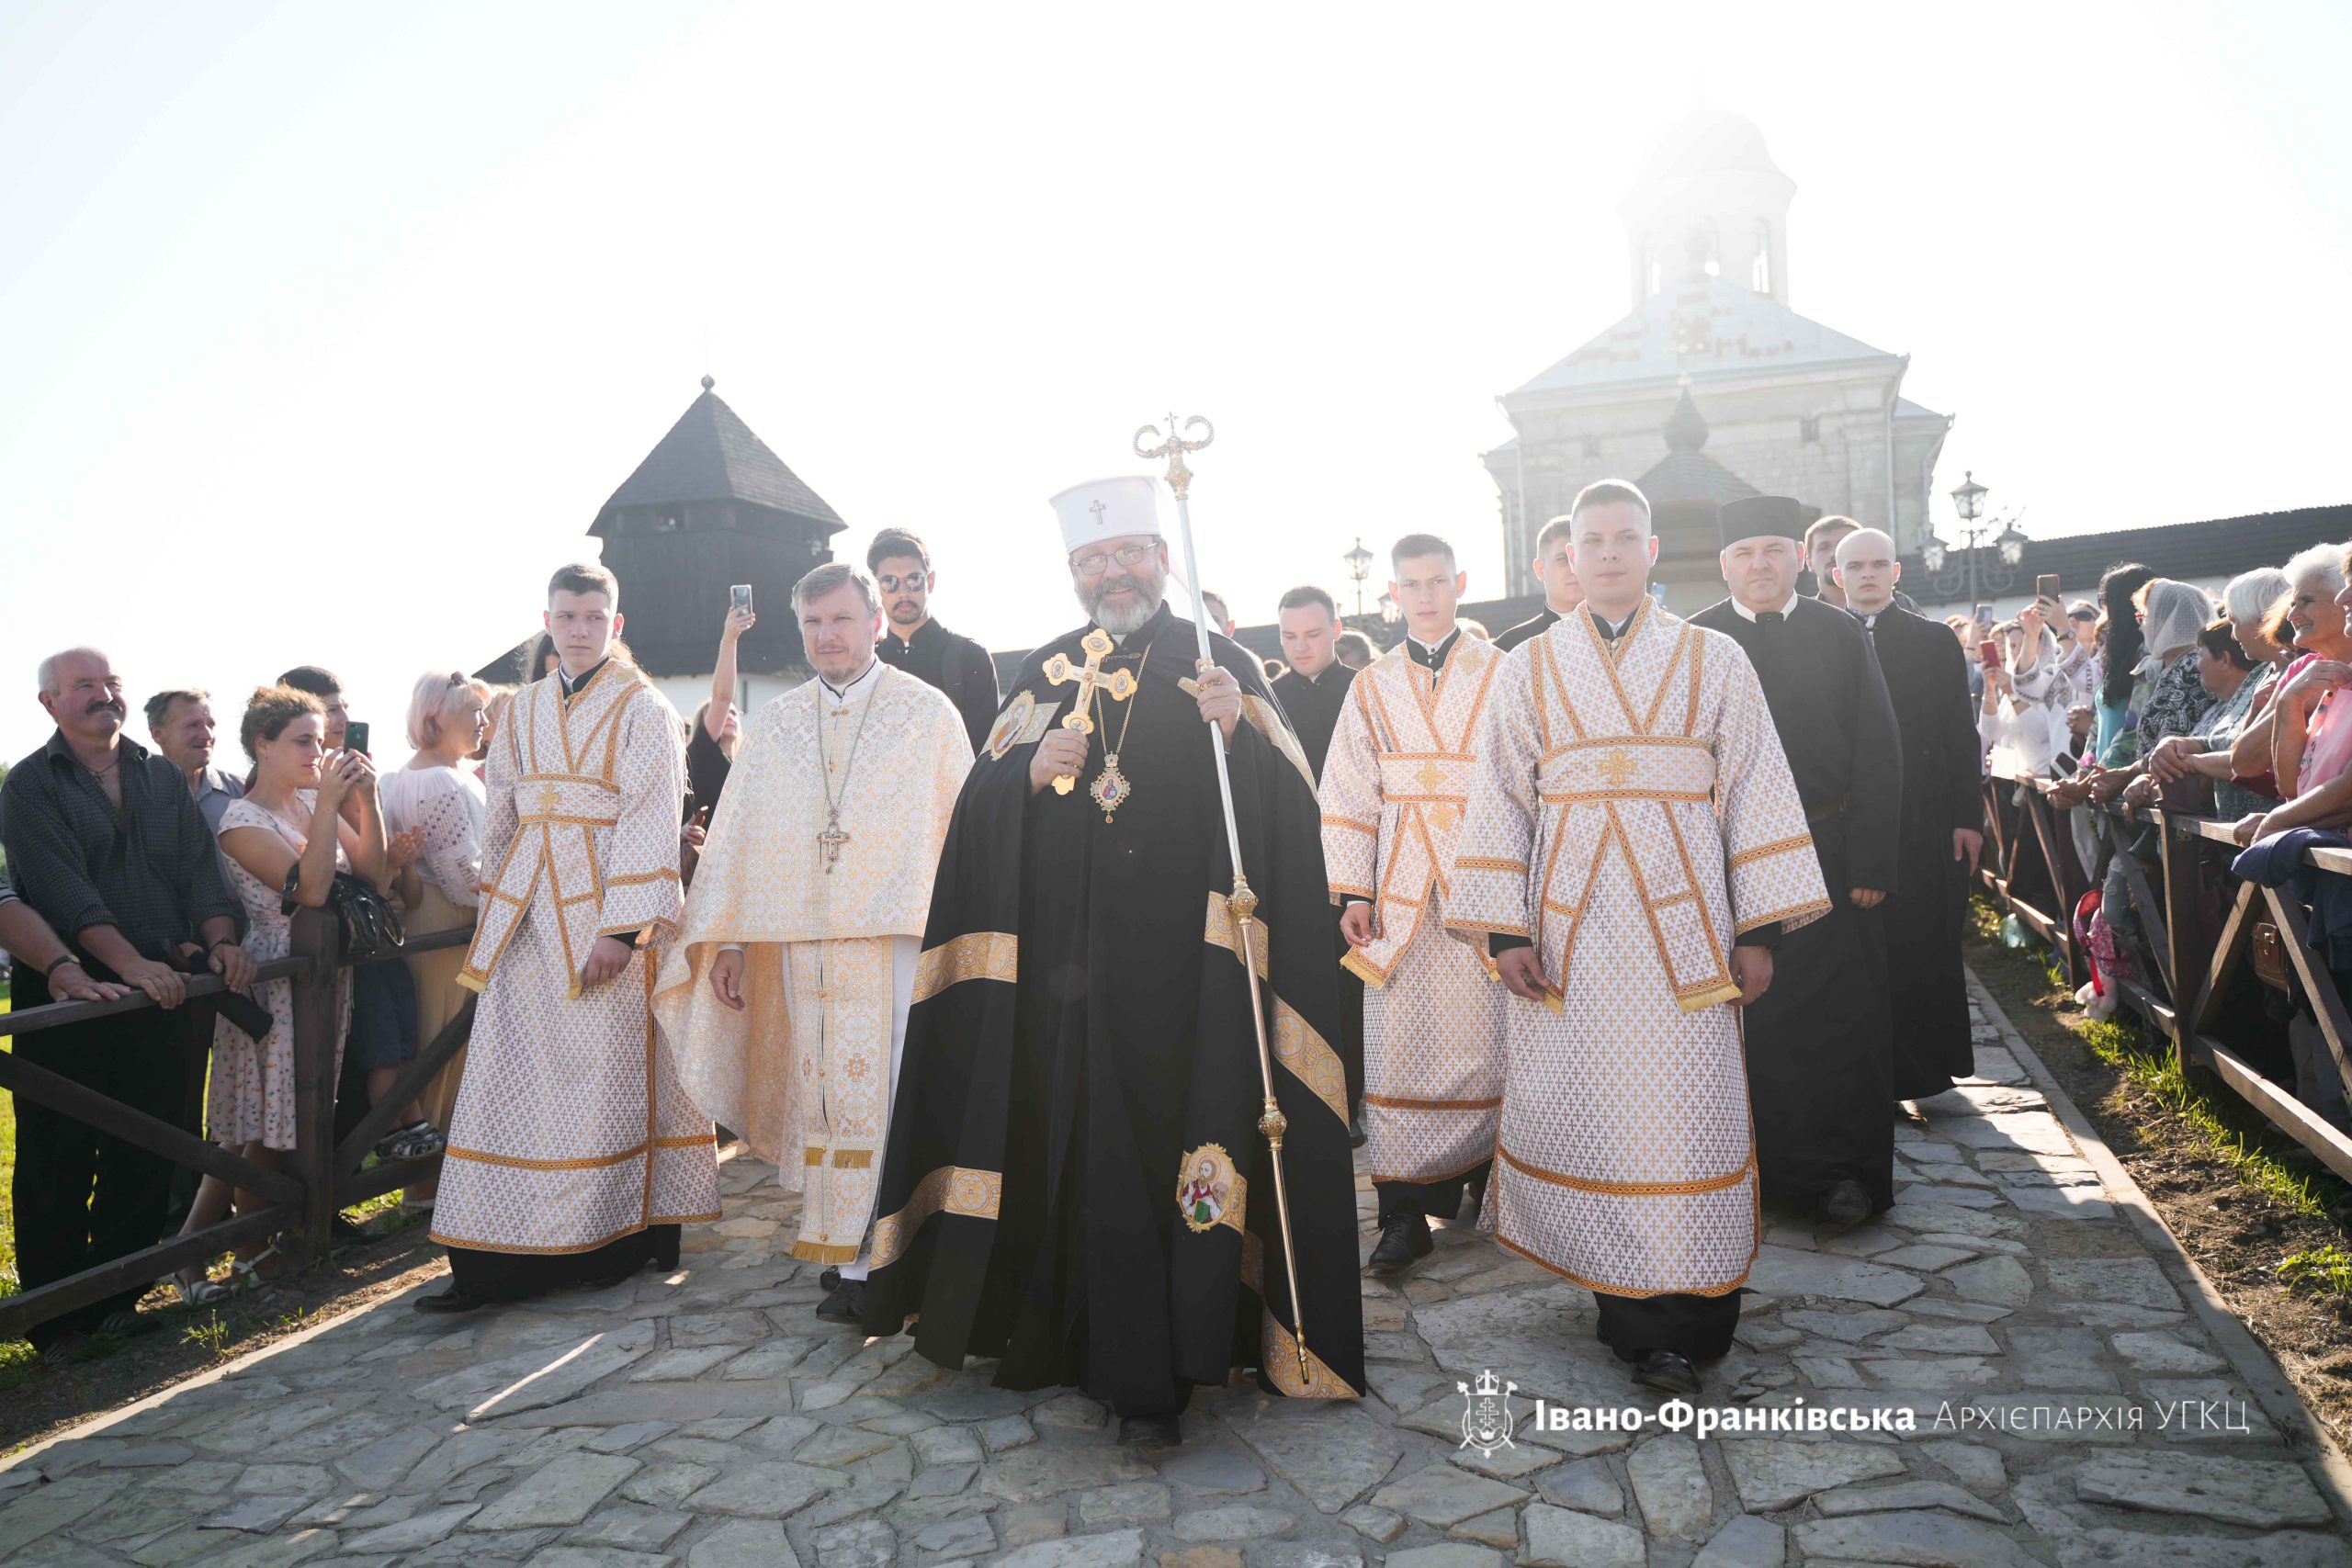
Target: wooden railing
2216, 942
320, 1176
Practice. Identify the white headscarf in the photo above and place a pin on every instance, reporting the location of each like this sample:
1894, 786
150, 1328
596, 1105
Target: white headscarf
2175, 614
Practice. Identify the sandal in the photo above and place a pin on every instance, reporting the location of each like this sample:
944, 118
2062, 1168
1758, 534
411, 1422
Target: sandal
246, 1271
416, 1141
202, 1290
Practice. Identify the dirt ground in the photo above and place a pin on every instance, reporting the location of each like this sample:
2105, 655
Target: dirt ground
2236, 1234
45, 1398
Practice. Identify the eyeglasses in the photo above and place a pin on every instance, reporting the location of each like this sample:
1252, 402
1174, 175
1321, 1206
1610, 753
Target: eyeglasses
1092, 562
912, 583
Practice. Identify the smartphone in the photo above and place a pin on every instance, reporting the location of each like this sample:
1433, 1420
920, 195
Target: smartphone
2046, 585
354, 736
739, 596
1988, 654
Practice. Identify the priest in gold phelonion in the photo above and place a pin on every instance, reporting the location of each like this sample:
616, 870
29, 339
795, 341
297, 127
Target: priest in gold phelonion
1076, 1184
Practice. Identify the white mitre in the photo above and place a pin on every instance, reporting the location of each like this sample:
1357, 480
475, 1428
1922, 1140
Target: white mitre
1115, 508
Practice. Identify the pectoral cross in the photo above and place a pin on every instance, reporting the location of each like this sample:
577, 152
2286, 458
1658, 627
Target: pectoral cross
831, 840
1089, 679
1616, 768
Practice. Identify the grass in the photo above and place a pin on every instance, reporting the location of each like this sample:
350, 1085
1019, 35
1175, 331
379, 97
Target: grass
2224, 1128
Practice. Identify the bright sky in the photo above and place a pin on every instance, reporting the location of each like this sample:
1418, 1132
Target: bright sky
325, 329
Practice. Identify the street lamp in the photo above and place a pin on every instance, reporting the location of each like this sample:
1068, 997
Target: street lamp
1359, 568
1976, 531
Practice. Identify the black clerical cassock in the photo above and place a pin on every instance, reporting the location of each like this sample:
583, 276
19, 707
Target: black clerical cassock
1927, 678
1312, 705
1075, 1183
1820, 1061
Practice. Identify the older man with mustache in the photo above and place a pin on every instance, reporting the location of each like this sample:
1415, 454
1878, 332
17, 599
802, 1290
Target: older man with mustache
105, 842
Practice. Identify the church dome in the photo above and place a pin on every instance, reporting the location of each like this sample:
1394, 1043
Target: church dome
1703, 141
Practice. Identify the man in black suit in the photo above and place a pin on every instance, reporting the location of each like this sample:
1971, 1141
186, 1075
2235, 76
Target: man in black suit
1311, 693
1942, 829
1556, 567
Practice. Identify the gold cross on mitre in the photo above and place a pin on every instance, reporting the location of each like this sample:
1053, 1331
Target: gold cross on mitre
1616, 768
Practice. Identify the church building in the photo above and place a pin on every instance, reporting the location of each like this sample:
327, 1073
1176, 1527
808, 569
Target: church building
1711, 356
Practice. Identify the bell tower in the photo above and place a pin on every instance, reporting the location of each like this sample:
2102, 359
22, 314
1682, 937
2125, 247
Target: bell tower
1708, 193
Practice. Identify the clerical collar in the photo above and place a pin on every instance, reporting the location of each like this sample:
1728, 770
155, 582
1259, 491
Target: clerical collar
1430, 657
571, 687
1870, 618
924, 633
1610, 631
862, 678
1780, 614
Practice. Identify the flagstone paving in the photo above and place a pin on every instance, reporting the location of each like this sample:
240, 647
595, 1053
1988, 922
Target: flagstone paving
707, 1420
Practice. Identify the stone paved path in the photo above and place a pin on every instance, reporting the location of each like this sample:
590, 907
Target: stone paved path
707, 1420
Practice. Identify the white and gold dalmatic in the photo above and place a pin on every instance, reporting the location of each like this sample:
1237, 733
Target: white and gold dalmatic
1396, 785
831, 926
1632, 812
570, 1131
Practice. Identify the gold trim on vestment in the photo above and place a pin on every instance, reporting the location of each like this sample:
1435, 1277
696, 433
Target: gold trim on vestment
1331, 821
631, 878
976, 955
1367, 894
817, 1252
951, 1189
590, 1162
1627, 1189
1488, 863
1268, 721
1391, 1102
1777, 847
1278, 1358
1219, 933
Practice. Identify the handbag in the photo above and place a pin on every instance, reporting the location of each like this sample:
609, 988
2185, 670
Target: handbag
366, 926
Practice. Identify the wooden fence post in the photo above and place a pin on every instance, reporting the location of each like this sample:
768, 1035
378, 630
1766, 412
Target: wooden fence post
318, 1031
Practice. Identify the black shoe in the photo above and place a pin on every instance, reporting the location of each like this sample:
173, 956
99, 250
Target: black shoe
1667, 1373
1151, 1433
1474, 1198
450, 1300
1842, 1208
1404, 1241
830, 1281
1356, 1135
846, 1304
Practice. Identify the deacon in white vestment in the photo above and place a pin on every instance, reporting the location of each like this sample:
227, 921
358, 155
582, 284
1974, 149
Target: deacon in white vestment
1635, 847
785, 1001
1394, 787
572, 1157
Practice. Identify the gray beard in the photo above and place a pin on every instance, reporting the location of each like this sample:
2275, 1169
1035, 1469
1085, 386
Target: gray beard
1124, 623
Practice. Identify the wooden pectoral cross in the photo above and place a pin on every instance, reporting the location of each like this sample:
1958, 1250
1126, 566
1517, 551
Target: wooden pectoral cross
1090, 677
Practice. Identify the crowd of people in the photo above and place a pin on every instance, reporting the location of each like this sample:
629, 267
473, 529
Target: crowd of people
2162, 695
1507, 906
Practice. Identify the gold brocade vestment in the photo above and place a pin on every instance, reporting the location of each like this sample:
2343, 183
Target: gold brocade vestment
1632, 813
1396, 785
804, 1071
570, 1131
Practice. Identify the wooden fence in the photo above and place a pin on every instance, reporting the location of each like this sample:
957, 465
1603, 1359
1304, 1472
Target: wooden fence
318, 1177
2229, 955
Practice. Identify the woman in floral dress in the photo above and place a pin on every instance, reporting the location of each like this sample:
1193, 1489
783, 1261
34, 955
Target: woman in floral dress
275, 851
